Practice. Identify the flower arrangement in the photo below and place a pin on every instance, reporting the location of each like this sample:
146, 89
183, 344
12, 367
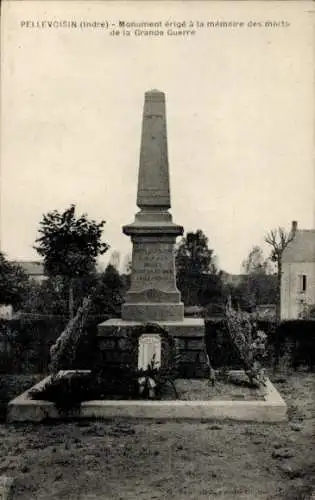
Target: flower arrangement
250, 343
66, 390
63, 352
147, 379
156, 376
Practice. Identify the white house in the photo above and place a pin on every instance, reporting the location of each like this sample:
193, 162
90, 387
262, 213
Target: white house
298, 274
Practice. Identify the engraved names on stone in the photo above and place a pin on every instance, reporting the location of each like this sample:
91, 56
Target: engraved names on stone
152, 264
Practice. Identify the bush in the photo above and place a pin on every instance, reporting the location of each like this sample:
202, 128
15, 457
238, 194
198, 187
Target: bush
68, 391
250, 343
294, 339
26, 343
219, 348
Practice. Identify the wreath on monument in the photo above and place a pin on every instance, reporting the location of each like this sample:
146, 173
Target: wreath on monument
155, 377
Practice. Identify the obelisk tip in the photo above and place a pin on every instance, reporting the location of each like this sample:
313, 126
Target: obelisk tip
154, 91
155, 95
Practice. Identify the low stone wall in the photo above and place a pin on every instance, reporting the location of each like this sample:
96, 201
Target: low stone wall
115, 347
192, 356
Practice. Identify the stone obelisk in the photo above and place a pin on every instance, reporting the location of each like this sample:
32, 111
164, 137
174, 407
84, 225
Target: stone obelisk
153, 295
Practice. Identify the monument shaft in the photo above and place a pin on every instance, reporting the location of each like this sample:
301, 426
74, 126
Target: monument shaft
153, 294
153, 178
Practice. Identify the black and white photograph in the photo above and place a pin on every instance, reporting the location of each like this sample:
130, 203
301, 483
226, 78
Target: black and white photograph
157, 250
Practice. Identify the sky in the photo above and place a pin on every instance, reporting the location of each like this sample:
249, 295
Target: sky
240, 118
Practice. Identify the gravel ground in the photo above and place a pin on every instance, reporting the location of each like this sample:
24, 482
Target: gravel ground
178, 460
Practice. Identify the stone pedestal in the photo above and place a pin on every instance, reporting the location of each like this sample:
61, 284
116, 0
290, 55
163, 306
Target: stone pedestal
188, 334
153, 295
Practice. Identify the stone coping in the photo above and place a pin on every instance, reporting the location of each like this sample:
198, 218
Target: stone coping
185, 321
272, 409
186, 327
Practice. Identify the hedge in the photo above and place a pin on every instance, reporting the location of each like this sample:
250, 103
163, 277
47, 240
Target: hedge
295, 338
25, 343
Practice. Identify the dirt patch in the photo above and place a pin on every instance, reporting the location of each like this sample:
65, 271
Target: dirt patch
125, 460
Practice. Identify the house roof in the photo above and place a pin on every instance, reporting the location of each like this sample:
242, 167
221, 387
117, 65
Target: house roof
301, 248
31, 267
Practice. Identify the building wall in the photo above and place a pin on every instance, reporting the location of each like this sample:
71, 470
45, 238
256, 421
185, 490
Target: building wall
292, 298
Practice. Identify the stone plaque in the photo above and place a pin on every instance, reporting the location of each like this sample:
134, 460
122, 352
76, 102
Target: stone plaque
153, 264
149, 346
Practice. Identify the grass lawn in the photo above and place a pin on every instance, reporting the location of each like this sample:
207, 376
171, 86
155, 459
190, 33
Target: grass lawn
202, 390
144, 460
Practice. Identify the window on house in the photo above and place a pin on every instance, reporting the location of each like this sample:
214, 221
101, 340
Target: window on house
302, 283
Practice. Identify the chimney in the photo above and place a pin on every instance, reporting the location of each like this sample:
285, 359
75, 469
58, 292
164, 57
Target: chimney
294, 226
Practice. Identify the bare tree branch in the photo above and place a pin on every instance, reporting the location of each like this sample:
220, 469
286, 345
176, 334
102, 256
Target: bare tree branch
278, 239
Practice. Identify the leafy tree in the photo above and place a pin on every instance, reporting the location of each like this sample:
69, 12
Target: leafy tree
253, 290
197, 276
108, 297
51, 296
193, 254
258, 285
47, 298
70, 246
278, 239
14, 283
211, 289
256, 264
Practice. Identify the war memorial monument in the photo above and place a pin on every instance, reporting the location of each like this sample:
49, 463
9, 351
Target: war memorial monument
153, 296
153, 307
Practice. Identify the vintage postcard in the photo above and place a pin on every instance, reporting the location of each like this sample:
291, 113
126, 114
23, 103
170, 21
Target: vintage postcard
157, 259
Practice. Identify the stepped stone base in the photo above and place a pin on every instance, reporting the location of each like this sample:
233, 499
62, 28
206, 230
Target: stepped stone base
188, 334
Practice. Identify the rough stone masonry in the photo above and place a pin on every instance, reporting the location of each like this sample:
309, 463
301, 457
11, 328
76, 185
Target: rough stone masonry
153, 296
